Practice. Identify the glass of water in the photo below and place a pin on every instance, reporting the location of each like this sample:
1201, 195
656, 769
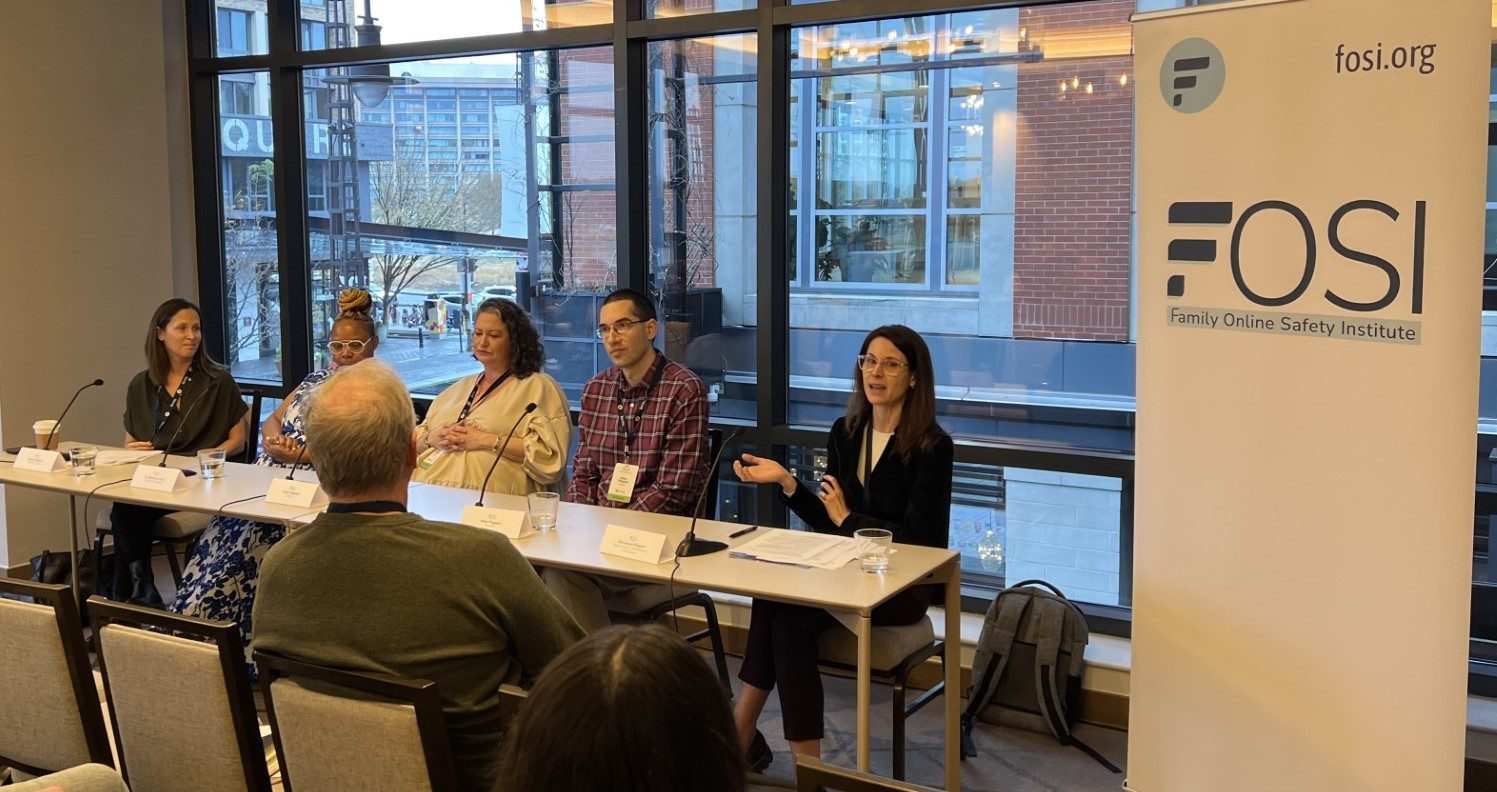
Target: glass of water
211, 462
84, 458
874, 545
543, 508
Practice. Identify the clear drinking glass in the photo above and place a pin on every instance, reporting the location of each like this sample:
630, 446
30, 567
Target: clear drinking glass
874, 545
543, 508
211, 462
83, 458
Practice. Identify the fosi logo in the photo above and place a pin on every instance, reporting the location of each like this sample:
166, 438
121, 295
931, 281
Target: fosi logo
1192, 75
1194, 249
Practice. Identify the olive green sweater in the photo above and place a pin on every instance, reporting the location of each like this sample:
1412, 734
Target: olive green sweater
398, 594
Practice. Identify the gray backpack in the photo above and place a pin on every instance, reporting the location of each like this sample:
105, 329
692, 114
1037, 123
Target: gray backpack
1027, 670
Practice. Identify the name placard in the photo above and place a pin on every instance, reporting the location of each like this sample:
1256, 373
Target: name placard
289, 492
636, 544
514, 523
160, 479
38, 461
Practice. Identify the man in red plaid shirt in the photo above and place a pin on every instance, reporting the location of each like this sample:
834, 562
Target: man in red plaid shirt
641, 444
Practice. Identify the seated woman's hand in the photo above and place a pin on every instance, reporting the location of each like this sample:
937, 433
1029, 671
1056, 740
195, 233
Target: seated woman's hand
283, 449
761, 470
444, 437
833, 499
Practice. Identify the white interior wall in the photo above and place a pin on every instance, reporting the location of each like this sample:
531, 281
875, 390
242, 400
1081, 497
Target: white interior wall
96, 218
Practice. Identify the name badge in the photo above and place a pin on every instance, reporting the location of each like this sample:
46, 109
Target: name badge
514, 523
289, 492
38, 461
160, 479
621, 488
427, 460
636, 544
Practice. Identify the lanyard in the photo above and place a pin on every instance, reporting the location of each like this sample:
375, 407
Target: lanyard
625, 429
471, 403
175, 400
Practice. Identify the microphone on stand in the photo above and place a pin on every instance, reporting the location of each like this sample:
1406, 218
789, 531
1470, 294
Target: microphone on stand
484, 489
181, 424
96, 383
691, 545
294, 465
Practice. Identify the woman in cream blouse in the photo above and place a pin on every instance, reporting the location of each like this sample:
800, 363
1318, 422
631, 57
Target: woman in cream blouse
468, 423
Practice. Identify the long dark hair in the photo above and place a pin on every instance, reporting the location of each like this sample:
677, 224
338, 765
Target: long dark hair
158, 362
527, 354
917, 417
660, 721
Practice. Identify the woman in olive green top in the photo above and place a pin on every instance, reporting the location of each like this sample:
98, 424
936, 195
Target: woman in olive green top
183, 402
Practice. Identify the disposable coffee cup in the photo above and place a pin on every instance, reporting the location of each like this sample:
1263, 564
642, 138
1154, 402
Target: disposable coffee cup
46, 435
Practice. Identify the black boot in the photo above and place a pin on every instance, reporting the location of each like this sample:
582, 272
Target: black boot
143, 585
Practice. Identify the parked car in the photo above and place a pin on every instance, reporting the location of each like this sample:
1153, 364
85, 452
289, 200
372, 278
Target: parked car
506, 292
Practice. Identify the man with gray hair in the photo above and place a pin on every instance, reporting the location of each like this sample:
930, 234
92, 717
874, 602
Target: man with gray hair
370, 587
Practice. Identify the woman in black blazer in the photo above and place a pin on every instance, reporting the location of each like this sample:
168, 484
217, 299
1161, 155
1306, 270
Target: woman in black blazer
903, 485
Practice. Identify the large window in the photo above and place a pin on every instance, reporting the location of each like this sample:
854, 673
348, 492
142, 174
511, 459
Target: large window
247, 227
456, 181
968, 174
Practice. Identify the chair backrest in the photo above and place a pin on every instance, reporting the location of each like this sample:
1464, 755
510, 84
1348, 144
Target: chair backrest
325, 720
193, 727
50, 717
812, 775
256, 398
714, 444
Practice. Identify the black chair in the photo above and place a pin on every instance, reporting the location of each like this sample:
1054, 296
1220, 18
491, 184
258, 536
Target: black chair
812, 776
658, 611
326, 720
177, 532
897, 651
50, 716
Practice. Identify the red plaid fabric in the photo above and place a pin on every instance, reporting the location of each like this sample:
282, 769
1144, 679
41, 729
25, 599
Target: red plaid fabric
670, 438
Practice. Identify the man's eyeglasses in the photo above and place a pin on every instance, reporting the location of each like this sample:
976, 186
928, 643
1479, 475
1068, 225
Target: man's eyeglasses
889, 366
337, 347
620, 327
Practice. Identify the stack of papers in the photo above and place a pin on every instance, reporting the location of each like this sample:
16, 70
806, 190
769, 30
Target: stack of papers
108, 456
801, 548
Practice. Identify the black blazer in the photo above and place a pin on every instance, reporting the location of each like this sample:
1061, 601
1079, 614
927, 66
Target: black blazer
910, 497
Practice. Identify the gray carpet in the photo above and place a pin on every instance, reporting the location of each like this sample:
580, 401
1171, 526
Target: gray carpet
1008, 760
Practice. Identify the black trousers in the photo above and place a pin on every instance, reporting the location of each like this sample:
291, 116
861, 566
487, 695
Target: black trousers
132, 526
781, 653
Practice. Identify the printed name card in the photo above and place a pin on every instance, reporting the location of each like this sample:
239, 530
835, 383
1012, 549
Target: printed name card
39, 461
514, 523
636, 544
159, 479
289, 492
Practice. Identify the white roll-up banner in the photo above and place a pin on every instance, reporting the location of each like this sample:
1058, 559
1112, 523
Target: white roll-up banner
1311, 182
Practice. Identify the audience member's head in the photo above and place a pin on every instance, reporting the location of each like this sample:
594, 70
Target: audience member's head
628, 709
361, 422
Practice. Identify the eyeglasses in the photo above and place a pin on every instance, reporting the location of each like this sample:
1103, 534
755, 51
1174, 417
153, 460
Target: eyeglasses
337, 347
889, 366
620, 327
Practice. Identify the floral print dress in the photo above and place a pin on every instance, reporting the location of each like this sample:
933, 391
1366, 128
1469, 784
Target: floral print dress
220, 580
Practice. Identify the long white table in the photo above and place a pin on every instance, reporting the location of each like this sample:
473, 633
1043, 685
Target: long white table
574, 545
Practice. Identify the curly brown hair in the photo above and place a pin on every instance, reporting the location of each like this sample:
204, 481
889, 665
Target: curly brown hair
527, 354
